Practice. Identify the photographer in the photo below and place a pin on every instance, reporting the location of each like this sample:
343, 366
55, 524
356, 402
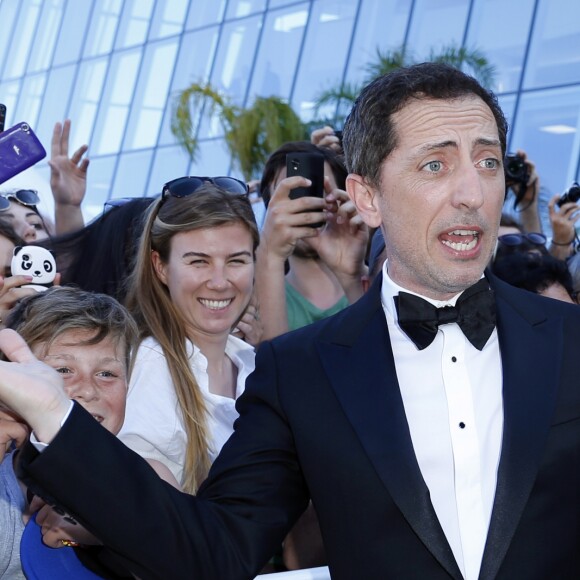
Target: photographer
522, 179
564, 213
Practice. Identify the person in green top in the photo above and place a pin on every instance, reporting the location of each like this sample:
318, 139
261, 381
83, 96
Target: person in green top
305, 273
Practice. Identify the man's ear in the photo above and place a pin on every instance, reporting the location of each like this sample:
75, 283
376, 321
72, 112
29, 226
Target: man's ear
364, 196
158, 266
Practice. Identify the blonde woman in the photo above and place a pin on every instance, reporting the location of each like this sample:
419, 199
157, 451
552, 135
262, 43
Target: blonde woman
192, 282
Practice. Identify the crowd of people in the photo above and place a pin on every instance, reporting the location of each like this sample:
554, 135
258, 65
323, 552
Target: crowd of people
381, 393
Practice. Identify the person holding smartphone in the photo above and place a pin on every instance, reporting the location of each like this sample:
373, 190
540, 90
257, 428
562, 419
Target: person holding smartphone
306, 273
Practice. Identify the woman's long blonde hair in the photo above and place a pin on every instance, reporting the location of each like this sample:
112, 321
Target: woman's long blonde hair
150, 303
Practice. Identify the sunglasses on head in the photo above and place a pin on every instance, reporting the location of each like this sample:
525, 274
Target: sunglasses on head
28, 197
519, 239
185, 186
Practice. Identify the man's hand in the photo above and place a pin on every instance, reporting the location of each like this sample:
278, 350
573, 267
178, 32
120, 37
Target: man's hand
68, 179
30, 388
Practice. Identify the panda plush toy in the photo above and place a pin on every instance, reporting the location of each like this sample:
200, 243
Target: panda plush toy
36, 262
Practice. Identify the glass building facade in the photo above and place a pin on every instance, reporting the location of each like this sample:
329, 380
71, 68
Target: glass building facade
114, 66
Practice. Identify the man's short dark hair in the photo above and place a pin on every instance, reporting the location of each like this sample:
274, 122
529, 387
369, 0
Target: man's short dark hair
369, 134
277, 161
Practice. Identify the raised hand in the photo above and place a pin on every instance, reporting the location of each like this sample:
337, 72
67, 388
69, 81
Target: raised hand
68, 179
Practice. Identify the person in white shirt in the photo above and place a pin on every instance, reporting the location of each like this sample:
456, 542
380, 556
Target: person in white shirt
192, 282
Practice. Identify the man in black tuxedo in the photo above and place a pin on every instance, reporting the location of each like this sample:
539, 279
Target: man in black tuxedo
435, 423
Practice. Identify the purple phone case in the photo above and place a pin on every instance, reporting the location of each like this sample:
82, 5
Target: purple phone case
19, 150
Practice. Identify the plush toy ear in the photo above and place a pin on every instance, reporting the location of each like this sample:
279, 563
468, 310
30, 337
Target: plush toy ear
16, 250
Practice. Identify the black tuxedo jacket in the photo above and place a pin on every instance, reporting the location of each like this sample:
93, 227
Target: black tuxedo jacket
322, 418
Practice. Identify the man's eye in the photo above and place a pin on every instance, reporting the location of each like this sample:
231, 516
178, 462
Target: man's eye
490, 163
434, 166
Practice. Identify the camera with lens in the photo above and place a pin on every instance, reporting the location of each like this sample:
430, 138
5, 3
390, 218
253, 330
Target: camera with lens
572, 194
516, 169
517, 175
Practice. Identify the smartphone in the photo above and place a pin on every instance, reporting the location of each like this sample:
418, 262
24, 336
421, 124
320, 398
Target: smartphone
19, 150
309, 165
2, 116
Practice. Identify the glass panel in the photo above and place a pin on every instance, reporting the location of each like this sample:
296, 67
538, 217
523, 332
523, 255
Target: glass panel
169, 18
241, 8
278, 53
74, 26
72, 32
278, 3
30, 100
507, 104
55, 102
555, 49
98, 185
436, 25
502, 43
134, 23
115, 102
150, 100
46, 35
323, 60
8, 13
205, 12
87, 91
103, 27
233, 66
169, 163
132, 174
22, 39
193, 65
10, 94
548, 129
380, 25
214, 159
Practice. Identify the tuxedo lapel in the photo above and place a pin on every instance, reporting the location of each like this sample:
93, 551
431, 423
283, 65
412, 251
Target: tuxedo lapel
531, 346
358, 360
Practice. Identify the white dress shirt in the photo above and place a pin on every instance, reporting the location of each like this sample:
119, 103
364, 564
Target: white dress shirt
153, 424
452, 395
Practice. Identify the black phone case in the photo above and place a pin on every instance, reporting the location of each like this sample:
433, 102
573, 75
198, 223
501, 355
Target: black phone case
19, 150
310, 165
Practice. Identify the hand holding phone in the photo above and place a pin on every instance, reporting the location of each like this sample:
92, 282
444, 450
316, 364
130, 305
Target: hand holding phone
19, 150
309, 165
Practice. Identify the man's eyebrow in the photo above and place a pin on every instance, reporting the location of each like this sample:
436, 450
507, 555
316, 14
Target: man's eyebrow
428, 147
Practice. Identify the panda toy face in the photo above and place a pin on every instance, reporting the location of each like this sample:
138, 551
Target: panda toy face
36, 262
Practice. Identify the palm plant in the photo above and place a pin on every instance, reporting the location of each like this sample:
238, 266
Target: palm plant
251, 134
342, 97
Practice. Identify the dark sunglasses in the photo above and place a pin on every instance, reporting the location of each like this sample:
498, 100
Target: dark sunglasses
28, 197
519, 239
185, 186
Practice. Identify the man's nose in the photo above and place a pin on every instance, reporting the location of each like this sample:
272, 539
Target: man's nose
468, 188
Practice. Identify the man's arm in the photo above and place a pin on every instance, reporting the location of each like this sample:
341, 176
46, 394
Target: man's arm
252, 497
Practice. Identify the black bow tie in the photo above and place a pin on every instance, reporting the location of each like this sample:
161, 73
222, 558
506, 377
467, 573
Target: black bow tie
474, 312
